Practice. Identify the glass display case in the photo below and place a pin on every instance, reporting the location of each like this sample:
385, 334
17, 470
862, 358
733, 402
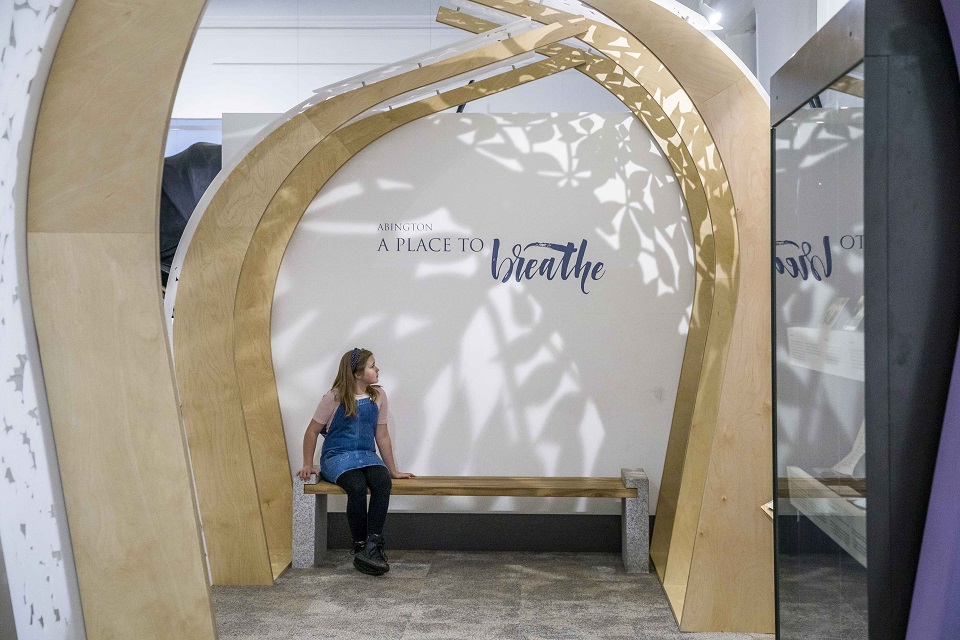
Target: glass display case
818, 315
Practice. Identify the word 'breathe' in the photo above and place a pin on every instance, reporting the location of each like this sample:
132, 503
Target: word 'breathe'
523, 267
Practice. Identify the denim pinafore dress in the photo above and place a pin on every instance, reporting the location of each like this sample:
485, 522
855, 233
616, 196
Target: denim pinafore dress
349, 442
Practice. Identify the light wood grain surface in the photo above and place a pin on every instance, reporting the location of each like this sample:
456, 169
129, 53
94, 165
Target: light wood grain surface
92, 220
515, 486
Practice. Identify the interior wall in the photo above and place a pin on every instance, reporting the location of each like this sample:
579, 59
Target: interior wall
43, 593
487, 377
267, 57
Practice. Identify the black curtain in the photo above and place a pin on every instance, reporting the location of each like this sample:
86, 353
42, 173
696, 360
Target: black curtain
186, 177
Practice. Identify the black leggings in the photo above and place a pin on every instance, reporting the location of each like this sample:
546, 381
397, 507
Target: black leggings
355, 483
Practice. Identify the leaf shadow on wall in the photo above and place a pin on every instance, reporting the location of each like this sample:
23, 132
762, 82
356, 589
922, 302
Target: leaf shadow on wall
486, 377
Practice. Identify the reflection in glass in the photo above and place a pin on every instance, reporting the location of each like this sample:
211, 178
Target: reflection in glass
819, 307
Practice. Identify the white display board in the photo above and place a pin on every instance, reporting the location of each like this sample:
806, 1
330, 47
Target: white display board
546, 376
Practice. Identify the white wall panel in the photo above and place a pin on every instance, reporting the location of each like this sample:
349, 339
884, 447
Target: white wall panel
485, 377
33, 530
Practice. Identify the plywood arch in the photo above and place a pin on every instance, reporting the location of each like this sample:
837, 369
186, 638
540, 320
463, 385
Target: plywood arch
698, 400
731, 470
254, 298
92, 237
701, 467
614, 78
698, 590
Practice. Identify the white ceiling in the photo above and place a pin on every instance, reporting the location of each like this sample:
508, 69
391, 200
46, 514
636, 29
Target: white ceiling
737, 15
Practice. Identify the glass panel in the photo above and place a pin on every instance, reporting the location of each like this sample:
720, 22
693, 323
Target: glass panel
821, 502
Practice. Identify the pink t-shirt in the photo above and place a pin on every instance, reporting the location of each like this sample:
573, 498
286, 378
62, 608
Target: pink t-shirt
329, 403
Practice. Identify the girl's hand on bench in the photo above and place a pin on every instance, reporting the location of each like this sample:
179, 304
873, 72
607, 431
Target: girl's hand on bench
400, 474
307, 471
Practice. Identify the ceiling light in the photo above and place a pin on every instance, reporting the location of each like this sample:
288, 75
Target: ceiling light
712, 15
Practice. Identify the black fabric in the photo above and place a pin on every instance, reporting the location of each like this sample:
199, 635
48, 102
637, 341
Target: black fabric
364, 521
186, 177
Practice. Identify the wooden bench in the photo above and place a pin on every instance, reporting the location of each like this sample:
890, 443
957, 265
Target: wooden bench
310, 529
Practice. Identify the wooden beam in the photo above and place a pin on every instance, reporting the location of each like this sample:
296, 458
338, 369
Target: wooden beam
516, 486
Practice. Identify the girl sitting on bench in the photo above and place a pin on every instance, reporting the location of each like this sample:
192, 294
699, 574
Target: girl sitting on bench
351, 417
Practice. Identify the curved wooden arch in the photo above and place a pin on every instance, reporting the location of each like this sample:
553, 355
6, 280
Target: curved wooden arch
75, 224
691, 384
92, 234
695, 419
242, 475
692, 451
717, 473
692, 446
614, 79
254, 298
719, 531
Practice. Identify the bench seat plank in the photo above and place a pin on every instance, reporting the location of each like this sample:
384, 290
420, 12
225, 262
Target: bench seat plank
513, 486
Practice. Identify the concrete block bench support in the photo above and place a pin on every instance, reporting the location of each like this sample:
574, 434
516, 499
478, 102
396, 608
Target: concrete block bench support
635, 522
310, 506
309, 526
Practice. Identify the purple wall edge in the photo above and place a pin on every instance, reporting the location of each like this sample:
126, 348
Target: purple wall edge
935, 610
951, 10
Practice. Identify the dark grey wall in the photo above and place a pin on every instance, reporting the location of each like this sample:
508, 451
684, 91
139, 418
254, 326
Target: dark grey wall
912, 288
491, 532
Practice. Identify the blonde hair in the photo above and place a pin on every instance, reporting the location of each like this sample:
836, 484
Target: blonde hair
345, 384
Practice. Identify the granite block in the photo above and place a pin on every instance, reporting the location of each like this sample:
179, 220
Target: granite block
635, 522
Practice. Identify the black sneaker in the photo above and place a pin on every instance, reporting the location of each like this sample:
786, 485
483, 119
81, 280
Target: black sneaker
358, 547
372, 560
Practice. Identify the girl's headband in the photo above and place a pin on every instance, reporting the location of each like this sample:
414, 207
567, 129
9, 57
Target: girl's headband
354, 358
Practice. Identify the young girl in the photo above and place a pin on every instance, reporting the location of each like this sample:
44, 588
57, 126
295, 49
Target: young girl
351, 416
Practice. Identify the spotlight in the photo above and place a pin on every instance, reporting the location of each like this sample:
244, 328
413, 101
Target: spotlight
712, 15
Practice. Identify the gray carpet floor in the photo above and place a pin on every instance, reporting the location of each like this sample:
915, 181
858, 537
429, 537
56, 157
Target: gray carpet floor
822, 597
460, 596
